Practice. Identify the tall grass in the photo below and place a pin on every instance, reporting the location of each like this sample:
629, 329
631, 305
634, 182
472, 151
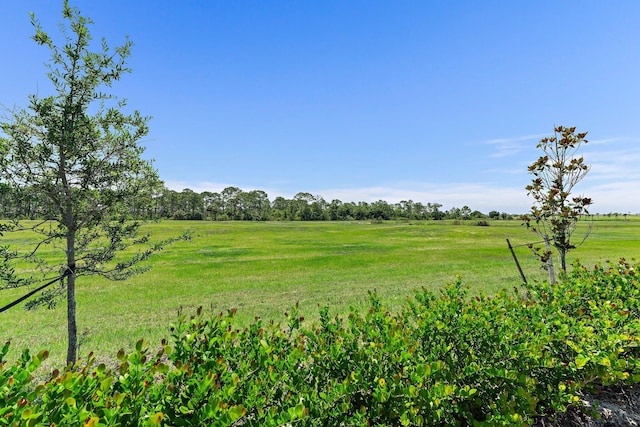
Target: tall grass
262, 269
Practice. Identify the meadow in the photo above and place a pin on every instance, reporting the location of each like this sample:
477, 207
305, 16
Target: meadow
264, 268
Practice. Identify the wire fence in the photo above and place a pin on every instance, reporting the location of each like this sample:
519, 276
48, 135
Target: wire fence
67, 272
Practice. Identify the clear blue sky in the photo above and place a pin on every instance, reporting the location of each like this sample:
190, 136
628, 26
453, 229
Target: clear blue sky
434, 101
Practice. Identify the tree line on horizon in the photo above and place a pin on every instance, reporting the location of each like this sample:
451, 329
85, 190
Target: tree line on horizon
233, 203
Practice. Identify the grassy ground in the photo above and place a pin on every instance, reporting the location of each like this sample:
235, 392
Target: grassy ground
262, 269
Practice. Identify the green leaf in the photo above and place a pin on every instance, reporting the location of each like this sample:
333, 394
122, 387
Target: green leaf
581, 361
236, 412
299, 410
71, 402
106, 383
605, 361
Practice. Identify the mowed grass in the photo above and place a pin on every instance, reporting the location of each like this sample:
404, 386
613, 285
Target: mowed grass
263, 269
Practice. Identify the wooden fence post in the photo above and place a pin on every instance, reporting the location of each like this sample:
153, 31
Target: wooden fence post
515, 258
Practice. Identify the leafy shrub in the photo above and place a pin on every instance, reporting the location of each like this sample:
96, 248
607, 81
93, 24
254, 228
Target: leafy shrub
444, 358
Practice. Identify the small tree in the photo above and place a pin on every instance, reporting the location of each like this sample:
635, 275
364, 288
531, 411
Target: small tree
78, 151
555, 213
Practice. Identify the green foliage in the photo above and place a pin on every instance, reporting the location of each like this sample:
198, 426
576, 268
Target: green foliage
7, 272
443, 359
76, 155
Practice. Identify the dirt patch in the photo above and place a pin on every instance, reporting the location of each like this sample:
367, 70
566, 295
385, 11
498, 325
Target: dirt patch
612, 407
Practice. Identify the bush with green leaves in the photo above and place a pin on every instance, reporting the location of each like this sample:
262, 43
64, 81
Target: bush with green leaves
446, 358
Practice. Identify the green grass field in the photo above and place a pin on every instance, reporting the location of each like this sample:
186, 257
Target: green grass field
262, 269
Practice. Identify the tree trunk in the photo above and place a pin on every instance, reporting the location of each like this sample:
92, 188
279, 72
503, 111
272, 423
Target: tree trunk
550, 268
72, 329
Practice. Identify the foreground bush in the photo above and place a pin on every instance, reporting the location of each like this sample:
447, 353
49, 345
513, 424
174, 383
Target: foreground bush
443, 359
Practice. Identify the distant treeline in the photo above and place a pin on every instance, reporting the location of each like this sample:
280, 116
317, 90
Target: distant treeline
232, 203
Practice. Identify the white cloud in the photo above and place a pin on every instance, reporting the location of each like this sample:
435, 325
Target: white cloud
621, 197
482, 197
509, 146
614, 165
613, 183
605, 140
631, 141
